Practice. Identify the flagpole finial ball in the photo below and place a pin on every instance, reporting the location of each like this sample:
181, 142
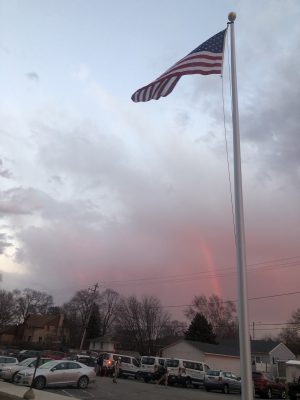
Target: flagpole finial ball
232, 16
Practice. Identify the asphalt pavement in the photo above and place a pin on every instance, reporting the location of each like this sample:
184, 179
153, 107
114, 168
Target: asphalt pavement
105, 389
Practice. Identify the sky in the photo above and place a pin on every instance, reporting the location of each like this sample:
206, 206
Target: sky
137, 197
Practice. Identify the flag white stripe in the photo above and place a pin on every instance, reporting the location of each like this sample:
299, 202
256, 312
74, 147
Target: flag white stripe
166, 88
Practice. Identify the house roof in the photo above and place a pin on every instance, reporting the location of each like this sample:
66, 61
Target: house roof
231, 347
263, 346
39, 321
105, 338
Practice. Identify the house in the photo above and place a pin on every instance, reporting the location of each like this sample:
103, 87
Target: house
226, 354
103, 343
45, 329
10, 334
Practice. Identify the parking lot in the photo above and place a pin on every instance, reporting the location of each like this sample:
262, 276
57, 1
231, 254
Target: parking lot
131, 389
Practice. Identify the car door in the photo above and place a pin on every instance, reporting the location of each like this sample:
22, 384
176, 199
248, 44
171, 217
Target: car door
235, 384
73, 372
57, 374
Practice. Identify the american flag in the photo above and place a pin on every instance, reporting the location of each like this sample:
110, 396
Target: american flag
206, 59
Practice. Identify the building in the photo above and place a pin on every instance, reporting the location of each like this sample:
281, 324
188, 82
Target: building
103, 344
226, 355
47, 329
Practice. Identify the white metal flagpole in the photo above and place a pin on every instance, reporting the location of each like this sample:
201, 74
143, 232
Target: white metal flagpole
245, 352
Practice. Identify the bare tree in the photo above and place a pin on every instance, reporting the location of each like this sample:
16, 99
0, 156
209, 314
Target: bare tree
32, 302
290, 335
141, 323
8, 314
219, 313
108, 302
76, 313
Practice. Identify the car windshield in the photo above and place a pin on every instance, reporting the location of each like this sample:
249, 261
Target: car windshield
26, 362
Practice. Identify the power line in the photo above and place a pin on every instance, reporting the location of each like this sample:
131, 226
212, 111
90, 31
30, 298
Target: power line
222, 272
234, 301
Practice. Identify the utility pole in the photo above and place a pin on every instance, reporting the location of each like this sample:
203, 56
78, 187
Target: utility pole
94, 291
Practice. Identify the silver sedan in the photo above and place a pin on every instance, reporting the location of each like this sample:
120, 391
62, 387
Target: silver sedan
10, 372
58, 373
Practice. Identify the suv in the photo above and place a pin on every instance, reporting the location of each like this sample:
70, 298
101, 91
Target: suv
222, 380
265, 385
23, 354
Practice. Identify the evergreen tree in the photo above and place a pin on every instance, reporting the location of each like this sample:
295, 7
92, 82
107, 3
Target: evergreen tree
200, 330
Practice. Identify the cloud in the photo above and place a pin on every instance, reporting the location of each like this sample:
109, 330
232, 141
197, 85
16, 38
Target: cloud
32, 76
5, 173
4, 243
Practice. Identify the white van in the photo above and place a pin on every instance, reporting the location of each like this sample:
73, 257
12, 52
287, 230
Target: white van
149, 365
129, 365
186, 372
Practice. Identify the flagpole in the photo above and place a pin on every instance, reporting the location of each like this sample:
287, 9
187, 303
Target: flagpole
245, 352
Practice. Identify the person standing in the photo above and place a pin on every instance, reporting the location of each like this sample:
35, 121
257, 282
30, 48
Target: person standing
99, 364
116, 369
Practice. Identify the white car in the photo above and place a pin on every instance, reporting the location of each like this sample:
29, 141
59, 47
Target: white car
7, 361
9, 372
57, 373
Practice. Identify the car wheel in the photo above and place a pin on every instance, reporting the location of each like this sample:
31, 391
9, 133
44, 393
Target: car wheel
187, 382
269, 393
207, 389
283, 394
83, 382
39, 382
226, 389
13, 378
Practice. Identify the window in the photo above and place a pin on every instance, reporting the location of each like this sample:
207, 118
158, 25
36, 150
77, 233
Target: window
161, 361
135, 362
173, 363
72, 365
149, 360
61, 366
125, 360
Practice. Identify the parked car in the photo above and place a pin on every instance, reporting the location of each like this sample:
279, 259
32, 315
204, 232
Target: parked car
186, 372
23, 354
267, 386
224, 381
7, 361
57, 372
8, 373
86, 359
129, 365
54, 355
149, 366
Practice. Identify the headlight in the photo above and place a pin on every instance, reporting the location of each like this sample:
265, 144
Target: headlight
29, 373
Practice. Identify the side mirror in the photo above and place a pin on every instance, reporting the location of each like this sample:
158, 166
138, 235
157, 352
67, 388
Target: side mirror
53, 369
